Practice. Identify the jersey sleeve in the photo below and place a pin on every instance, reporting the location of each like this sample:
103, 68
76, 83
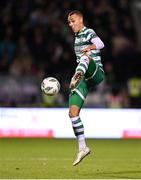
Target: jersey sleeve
93, 38
91, 34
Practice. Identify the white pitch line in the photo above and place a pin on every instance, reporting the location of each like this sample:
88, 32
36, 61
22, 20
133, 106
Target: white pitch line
35, 159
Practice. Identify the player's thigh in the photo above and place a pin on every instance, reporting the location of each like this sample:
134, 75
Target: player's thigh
75, 100
78, 95
97, 79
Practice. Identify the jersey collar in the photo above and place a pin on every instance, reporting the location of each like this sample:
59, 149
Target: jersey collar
83, 29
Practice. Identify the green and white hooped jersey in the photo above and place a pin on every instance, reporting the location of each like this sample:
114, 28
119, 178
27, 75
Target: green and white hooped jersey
82, 40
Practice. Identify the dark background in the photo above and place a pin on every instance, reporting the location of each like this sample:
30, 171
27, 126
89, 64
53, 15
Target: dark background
36, 42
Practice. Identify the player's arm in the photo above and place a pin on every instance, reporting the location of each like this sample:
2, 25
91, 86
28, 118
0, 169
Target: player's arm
80, 71
96, 43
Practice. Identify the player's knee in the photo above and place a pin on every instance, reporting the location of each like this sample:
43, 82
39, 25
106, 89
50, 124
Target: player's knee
74, 111
72, 114
85, 58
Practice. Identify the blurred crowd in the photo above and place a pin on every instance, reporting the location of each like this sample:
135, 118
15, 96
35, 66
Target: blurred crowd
36, 42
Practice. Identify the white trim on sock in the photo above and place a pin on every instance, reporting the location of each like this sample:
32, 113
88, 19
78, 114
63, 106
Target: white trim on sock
74, 118
77, 125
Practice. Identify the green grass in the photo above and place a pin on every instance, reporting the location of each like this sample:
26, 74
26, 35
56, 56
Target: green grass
52, 159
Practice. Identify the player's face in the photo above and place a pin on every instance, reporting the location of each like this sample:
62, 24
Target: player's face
75, 22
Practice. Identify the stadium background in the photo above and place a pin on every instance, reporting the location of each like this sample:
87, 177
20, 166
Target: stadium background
36, 42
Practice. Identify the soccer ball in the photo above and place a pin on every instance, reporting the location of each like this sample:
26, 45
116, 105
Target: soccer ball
50, 86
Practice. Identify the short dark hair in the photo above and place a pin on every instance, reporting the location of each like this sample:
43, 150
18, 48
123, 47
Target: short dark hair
75, 12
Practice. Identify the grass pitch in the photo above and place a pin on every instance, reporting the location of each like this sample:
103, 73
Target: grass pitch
52, 159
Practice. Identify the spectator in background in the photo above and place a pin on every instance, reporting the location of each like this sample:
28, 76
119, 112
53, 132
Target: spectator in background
134, 92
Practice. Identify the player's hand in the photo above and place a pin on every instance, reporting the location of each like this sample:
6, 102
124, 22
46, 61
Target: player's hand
75, 79
87, 49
